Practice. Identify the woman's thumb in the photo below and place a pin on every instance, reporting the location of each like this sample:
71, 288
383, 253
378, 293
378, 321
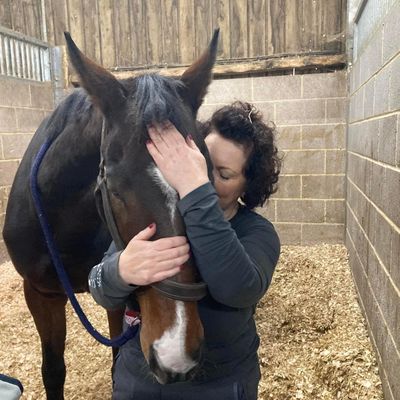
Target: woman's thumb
146, 233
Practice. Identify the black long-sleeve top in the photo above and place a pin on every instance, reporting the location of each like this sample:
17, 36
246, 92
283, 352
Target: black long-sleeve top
235, 258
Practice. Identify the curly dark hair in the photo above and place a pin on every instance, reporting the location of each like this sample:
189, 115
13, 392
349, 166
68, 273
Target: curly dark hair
242, 123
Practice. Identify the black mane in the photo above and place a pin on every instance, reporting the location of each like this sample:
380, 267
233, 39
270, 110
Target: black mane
157, 99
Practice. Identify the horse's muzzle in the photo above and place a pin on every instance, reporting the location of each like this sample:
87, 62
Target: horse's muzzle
166, 376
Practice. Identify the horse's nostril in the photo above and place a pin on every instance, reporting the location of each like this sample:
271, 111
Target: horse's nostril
197, 355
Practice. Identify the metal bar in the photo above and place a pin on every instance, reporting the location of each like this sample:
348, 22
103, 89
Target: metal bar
28, 59
12, 57
41, 65
47, 65
7, 55
18, 59
33, 66
2, 63
37, 61
23, 59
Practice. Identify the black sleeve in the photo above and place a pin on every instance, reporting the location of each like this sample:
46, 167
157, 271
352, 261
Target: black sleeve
237, 271
105, 284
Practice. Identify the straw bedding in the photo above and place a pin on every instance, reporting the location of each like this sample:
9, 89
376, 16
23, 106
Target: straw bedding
314, 344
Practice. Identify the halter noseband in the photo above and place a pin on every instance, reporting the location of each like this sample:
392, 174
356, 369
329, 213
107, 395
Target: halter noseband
169, 288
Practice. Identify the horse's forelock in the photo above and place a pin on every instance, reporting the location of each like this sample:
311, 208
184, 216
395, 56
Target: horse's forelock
157, 99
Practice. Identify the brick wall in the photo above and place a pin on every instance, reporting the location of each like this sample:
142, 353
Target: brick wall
23, 105
373, 179
310, 114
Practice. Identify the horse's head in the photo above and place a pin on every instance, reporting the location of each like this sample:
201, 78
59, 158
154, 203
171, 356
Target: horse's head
171, 333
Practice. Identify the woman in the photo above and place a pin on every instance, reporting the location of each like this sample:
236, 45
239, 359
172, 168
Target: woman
236, 251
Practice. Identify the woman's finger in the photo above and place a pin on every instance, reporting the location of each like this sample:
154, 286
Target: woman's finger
171, 254
170, 264
154, 152
192, 144
172, 134
166, 274
156, 137
146, 233
169, 242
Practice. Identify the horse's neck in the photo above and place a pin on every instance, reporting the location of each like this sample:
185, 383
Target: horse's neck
73, 158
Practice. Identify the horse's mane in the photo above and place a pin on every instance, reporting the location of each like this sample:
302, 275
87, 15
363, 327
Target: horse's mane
157, 99
76, 106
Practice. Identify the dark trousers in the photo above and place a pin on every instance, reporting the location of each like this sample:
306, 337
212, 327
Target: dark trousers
132, 382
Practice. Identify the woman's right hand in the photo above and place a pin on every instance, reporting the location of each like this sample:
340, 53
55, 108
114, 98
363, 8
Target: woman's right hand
144, 262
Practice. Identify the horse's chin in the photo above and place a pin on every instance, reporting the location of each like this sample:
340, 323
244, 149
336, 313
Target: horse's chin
164, 375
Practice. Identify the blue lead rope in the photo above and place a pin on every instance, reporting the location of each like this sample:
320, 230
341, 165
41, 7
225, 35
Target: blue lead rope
55, 257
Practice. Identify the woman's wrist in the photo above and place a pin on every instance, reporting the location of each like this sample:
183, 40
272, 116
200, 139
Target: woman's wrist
191, 185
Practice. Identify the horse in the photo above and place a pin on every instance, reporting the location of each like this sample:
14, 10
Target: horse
100, 129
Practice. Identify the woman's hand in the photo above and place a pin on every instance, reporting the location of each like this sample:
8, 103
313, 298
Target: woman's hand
180, 161
144, 262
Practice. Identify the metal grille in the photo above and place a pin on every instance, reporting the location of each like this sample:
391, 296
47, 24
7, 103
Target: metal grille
23, 57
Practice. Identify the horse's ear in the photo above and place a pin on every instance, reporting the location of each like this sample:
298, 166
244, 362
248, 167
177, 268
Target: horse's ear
101, 85
198, 76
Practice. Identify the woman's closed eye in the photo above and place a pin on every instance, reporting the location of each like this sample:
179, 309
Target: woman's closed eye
224, 173
225, 177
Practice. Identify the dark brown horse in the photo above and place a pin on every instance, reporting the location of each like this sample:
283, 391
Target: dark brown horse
138, 197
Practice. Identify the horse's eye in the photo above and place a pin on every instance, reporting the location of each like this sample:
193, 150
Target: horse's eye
116, 195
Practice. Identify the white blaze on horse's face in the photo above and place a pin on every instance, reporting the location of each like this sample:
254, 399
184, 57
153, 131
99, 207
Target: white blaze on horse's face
171, 194
170, 348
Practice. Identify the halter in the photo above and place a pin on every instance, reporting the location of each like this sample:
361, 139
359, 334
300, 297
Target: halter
168, 287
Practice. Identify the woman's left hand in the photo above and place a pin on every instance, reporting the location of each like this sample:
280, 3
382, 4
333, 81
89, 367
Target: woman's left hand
180, 161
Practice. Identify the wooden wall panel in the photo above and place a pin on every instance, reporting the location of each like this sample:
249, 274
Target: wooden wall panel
60, 21
186, 31
220, 14
293, 19
170, 29
138, 33
48, 17
129, 33
312, 32
154, 33
31, 15
203, 24
257, 27
278, 20
5, 14
238, 29
122, 32
76, 24
331, 25
17, 15
106, 32
91, 29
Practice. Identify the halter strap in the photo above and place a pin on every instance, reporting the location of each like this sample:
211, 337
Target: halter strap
168, 287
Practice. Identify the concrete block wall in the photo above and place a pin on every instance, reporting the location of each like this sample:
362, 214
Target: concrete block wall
310, 114
308, 110
373, 180
23, 105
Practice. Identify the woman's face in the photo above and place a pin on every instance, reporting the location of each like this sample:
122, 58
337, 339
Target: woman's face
229, 159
